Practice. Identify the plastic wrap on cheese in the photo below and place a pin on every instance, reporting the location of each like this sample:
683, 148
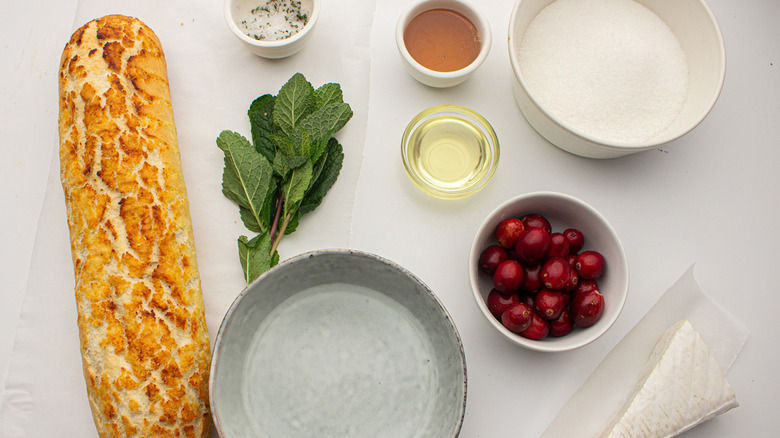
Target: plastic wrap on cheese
681, 387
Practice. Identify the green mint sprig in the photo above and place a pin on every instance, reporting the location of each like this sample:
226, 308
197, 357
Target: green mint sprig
287, 169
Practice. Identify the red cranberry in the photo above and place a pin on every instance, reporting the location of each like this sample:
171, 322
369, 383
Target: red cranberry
563, 325
590, 265
575, 238
508, 231
556, 272
532, 280
535, 220
559, 246
587, 286
517, 317
587, 308
498, 302
491, 257
538, 329
567, 296
532, 245
549, 304
573, 283
508, 276
526, 297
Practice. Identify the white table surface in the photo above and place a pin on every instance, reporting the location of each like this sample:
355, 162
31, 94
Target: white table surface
711, 198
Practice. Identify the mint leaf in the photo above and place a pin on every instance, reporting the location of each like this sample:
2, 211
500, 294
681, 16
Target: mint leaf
331, 167
294, 102
251, 222
246, 177
328, 93
269, 205
323, 124
326, 121
317, 170
283, 143
255, 255
293, 224
304, 145
262, 123
295, 187
283, 164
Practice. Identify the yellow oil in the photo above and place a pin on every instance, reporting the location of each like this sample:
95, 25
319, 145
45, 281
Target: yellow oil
449, 152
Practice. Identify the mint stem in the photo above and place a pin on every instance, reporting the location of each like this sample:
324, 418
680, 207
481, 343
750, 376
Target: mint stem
277, 215
281, 233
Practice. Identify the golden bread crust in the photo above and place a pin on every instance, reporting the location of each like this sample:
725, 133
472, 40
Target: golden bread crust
142, 327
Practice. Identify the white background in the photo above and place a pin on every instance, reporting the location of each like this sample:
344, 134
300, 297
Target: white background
711, 198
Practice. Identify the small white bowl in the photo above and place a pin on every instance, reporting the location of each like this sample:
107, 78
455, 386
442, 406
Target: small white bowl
238, 10
563, 211
701, 41
436, 78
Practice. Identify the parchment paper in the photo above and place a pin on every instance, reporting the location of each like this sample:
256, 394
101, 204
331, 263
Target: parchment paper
213, 79
590, 408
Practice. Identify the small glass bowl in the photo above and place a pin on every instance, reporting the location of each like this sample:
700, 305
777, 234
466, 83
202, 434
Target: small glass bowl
450, 151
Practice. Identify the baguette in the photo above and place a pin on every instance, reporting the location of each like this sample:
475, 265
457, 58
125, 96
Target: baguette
142, 328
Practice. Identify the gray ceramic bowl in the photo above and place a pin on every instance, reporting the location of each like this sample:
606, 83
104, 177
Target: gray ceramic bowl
338, 343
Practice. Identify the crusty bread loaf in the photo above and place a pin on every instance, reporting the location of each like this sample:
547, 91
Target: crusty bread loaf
141, 320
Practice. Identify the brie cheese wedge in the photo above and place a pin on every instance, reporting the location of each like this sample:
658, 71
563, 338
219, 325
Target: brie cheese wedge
681, 387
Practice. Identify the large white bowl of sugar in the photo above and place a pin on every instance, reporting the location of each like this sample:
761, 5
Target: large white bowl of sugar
608, 78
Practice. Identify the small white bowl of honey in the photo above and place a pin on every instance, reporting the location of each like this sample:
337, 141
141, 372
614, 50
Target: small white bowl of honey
443, 41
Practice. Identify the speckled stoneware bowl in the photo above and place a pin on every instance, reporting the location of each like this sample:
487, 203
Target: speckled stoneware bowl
338, 343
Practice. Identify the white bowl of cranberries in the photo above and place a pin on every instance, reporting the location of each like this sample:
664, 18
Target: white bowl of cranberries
548, 271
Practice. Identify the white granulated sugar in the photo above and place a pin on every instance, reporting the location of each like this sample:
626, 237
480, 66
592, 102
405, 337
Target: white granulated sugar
610, 69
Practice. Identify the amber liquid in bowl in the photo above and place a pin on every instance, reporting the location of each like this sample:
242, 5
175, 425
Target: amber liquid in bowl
442, 40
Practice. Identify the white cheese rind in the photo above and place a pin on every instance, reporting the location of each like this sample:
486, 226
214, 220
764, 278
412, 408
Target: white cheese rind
681, 388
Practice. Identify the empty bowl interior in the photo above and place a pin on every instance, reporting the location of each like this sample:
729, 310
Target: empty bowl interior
701, 41
338, 343
563, 211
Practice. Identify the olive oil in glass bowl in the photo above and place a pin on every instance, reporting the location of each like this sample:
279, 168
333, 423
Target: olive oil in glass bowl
450, 151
